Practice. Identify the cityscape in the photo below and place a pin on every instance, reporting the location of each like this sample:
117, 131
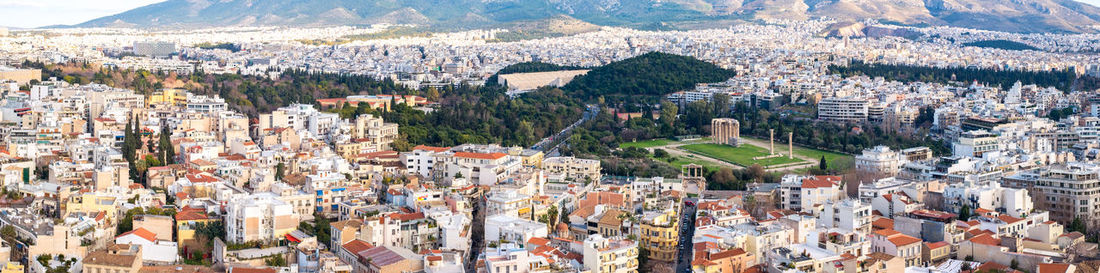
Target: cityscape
466, 137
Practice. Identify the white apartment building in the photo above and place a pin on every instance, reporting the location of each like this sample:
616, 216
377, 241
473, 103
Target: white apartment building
206, 104
295, 116
258, 217
510, 203
510, 258
506, 228
421, 160
608, 255
572, 168
975, 144
880, 160
990, 196
847, 214
843, 109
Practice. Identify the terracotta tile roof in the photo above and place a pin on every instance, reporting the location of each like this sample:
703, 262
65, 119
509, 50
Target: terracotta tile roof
992, 266
727, 254
820, 181
356, 246
903, 240
490, 156
433, 149
1053, 268
602, 198
407, 216
937, 244
538, 241
879, 256
1009, 219
251, 270
885, 223
141, 232
985, 239
887, 232
190, 215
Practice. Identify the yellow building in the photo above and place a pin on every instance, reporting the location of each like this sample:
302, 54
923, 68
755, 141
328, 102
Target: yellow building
660, 232
529, 157
186, 222
12, 268
92, 203
167, 96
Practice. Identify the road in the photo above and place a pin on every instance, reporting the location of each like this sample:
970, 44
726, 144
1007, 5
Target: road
477, 233
590, 112
687, 231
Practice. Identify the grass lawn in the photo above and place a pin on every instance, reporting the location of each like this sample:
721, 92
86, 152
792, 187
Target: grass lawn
836, 161
738, 155
647, 143
680, 161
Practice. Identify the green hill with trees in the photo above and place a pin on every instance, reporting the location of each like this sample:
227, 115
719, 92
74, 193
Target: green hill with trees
1001, 44
646, 77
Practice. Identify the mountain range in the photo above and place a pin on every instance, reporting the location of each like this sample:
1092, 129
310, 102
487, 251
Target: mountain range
1066, 16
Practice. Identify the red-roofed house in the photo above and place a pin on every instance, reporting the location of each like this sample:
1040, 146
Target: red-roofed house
806, 194
935, 253
152, 250
894, 243
1057, 268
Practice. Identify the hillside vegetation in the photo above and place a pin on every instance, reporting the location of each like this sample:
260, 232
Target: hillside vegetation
1001, 44
645, 78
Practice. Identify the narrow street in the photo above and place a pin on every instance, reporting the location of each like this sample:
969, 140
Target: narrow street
477, 233
687, 231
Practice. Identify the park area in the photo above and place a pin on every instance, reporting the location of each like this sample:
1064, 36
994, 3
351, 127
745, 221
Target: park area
742, 155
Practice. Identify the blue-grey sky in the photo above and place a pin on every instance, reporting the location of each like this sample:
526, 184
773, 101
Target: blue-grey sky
37, 13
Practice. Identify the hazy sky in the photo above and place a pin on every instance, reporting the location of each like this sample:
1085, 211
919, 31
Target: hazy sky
37, 13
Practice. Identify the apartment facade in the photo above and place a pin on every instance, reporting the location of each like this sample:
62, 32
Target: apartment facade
609, 255
843, 109
258, 217
1068, 192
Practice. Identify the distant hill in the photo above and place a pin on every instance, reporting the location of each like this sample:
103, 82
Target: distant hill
645, 77
1002, 15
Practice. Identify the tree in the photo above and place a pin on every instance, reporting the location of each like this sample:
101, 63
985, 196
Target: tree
552, 214
660, 153
725, 179
1015, 264
275, 261
757, 172
8, 233
167, 151
1077, 225
643, 258
432, 94
280, 171
668, 118
822, 164
964, 212
721, 105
